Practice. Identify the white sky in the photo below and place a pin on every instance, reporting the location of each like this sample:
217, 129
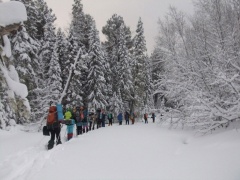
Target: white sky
102, 10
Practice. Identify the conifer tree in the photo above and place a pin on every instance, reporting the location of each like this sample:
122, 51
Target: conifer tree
139, 68
74, 93
96, 83
62, 51
117, 47
25, 55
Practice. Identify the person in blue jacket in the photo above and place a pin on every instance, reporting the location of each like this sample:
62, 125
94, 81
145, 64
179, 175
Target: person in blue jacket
120, 118
70, 123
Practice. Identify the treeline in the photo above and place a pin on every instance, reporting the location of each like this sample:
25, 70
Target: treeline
75, 67
196, 70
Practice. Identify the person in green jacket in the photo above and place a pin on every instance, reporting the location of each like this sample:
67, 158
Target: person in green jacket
70, 125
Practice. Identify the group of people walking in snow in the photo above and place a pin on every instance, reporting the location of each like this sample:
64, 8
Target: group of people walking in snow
85, 121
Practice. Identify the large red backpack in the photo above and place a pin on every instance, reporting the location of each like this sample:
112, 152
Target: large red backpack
52, 115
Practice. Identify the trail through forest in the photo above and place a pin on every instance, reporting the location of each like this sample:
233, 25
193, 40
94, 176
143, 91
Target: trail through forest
140, 151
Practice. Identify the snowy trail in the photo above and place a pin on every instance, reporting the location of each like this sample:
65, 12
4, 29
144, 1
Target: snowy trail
137, 151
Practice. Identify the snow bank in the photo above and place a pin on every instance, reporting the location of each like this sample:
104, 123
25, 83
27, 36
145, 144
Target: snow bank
12, 12
19, 88
7, 47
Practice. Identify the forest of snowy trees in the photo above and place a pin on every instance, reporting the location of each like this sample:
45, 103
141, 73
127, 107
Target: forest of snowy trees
192, 74
74, 67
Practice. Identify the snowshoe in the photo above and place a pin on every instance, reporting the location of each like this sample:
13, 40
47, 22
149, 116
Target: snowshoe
50, 144
59, 142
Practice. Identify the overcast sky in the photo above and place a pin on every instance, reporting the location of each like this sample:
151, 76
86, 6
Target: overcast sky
102, 10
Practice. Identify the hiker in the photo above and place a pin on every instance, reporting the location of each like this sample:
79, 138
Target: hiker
110, 119
103, 118
120, 118
132, 117
53, 124
91, 121
153, 117
126, 116
69, 122
99, 118
145, 116
85, 120
78, 115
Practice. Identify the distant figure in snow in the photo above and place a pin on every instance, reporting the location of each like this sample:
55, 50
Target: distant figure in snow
91, 120
126, 116
99, 118
145, 116
110, 119
153, 117
132, 117
103, 118
120, 118
85, 120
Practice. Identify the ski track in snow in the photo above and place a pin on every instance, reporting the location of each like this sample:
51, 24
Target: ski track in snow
137, 151
25, 164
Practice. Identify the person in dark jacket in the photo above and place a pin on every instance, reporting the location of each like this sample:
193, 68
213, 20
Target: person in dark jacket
78, 116
110, 119
120, 118
85, 120
132, 117
103, 117
99, 118
126, 116
91, 121
145, 116
153, 117
54, 130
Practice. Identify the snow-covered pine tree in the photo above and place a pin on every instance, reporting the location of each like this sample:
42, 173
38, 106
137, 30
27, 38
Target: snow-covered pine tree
124, 68
54, 84
139, 68
157, 65
24, 51
47, 39
96, 83
74, 93
117, 47
149, 103
78, 23
62, 52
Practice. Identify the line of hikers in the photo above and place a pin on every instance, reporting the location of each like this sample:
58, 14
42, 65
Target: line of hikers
83, 119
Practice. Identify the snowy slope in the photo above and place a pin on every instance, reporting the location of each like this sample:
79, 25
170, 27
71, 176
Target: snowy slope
140, 151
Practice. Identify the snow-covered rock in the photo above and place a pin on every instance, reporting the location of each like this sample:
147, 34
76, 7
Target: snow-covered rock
14, 106
12, 12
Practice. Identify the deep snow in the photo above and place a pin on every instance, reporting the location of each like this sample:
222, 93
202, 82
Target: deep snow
140, 151
12, 12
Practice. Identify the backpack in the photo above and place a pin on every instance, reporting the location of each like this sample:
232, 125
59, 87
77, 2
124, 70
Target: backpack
145, 116
79, 115
52, 115
110, 116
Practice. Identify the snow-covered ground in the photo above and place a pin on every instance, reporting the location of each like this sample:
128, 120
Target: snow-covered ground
135, 152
